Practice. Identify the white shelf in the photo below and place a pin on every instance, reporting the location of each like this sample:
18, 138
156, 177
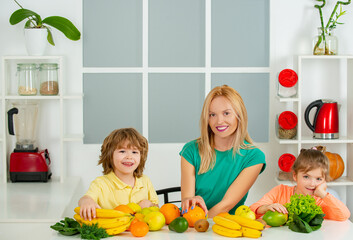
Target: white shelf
9, 94
342, 181
323, 77
281, 99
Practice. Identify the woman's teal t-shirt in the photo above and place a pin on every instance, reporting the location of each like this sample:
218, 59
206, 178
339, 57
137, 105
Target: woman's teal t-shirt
213, 185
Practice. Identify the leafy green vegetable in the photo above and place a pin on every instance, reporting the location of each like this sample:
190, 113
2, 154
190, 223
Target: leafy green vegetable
303, 214
93, 232
67, 227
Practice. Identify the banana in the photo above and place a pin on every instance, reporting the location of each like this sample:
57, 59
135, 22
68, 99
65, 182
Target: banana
119, 222
251, 233
226, 223
246, 222
117, 230
226, 231
94, 220
106, 213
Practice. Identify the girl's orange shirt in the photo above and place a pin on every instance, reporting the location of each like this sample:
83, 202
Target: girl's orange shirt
333, 208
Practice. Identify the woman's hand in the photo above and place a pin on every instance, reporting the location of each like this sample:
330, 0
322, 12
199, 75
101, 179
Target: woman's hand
192, 202
320, 190
147, 203
87, 208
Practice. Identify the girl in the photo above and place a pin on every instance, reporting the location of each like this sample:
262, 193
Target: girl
123, 157
218, 168
310, 172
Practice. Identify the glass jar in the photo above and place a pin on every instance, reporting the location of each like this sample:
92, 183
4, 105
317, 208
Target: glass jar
48, 75
287, 125
331, 42
287, 83
27, 79
319, 42
325, 43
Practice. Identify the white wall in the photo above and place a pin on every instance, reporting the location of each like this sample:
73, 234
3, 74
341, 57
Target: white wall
293, 26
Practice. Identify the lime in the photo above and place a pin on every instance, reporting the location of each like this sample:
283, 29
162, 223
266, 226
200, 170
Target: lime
275, 219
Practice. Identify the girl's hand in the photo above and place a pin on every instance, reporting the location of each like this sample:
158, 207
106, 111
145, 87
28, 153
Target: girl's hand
147, 203
277, 207
320, 190
192, 202
88, 208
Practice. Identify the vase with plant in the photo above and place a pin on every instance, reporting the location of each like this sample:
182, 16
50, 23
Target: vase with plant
35, 22
326, 43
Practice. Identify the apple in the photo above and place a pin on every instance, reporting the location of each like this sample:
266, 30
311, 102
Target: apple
154, 220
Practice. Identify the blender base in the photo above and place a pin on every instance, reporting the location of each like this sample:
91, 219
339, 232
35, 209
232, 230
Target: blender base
30, 176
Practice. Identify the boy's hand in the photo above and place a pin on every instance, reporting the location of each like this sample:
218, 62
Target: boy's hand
88, 208
147, 203
320, 190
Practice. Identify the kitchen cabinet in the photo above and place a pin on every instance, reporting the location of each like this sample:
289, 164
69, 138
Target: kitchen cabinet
53, 127
324, 77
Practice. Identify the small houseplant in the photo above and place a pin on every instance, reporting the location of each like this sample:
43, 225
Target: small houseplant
321, 45
34, 21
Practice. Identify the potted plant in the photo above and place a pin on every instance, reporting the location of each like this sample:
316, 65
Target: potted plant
43, 27
325, 43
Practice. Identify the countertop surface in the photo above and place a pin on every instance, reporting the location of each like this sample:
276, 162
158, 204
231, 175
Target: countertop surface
29, 202
329, 230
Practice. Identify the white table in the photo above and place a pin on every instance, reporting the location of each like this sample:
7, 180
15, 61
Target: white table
28, 209
330, 230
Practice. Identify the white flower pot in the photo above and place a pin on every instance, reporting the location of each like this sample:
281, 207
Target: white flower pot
36, 41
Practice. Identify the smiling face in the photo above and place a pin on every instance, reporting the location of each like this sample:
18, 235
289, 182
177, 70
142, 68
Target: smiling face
308, 181
222, 118
126, 160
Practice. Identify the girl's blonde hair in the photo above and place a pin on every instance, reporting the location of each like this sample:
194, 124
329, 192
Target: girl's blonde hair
310, 159
124, 137
206, 140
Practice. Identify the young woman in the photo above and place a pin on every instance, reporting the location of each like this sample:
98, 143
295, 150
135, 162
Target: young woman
219, 168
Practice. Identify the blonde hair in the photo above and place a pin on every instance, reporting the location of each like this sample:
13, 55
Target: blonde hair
124, 137
206, 140
310, 159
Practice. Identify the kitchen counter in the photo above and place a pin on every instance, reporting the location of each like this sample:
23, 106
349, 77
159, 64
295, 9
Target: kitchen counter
329, 230
27, 209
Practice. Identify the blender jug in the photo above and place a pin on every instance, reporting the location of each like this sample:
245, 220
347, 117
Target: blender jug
23, 116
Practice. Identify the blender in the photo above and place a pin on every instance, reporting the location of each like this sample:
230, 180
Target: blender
27, 163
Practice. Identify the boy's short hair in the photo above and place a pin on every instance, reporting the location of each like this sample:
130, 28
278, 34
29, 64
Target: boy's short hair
310, 159
119, 138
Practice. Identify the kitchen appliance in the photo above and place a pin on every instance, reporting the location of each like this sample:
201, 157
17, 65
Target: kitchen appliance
326, 120
27, 163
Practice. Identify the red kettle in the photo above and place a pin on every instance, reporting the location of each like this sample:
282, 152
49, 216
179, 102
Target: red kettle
325, 125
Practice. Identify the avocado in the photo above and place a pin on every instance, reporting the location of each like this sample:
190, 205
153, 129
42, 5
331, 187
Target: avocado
179, 225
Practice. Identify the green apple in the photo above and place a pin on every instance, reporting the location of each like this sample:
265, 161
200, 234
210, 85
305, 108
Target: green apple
146, 210
154, 209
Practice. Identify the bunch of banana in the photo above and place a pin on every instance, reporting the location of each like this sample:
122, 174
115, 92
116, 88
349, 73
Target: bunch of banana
237, 226
113, 221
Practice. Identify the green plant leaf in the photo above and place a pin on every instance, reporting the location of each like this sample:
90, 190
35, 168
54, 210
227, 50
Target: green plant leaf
64, 25
50, 37
22, 14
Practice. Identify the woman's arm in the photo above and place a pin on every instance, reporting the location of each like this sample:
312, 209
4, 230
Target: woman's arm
237, 190
188, 197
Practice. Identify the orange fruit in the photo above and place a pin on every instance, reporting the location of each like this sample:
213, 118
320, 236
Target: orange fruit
124, 208
132, 222
170, 212
139, 229
193, 215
